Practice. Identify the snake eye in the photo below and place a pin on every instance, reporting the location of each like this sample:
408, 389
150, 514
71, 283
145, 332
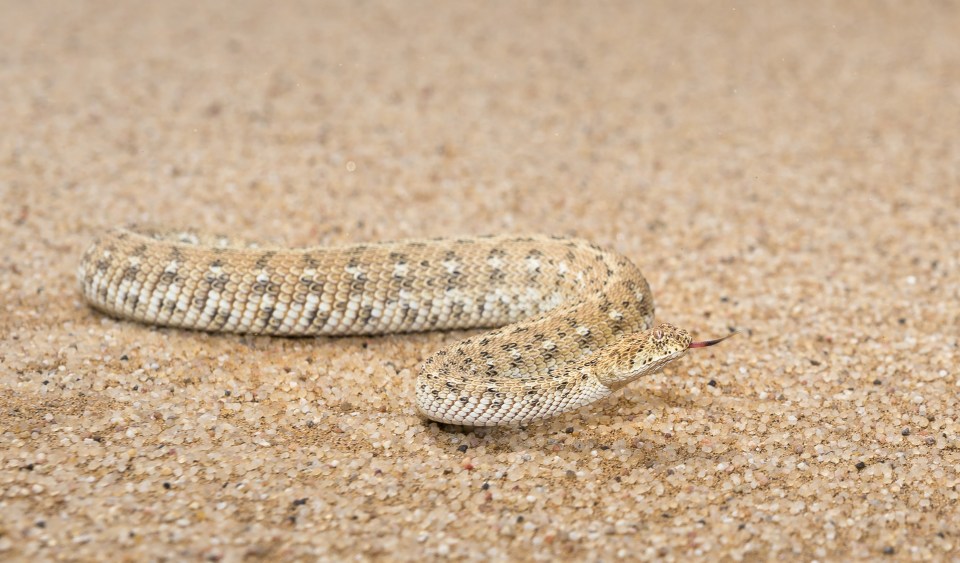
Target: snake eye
657, 335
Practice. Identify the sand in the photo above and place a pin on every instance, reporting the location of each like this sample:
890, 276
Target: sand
791, 171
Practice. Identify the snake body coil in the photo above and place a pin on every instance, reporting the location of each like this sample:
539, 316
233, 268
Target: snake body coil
575, 319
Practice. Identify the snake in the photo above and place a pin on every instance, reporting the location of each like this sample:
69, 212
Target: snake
570, 322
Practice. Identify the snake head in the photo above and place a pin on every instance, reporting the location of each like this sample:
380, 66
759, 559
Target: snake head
645, 353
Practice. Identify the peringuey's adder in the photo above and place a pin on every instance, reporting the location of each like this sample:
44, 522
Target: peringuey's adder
576, 320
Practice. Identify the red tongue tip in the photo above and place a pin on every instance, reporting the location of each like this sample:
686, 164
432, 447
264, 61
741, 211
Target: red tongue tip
705, 343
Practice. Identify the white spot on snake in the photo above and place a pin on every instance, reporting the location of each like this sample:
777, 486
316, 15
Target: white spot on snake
187, 237
495, 262
355, 271
553, 301
451, 266
532, 295
616, 315
400, 270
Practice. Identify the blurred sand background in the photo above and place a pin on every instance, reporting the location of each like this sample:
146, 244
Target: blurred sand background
789, 170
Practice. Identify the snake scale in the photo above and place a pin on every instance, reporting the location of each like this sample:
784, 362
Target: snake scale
575, 320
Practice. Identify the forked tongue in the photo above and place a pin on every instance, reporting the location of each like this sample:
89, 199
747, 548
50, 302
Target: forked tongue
705, 343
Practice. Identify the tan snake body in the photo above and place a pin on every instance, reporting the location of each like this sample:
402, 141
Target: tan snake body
575, 319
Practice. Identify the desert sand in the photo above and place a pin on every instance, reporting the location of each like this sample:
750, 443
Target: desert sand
791, 171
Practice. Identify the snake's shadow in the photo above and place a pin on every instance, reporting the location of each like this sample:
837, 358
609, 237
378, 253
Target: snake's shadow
593, 428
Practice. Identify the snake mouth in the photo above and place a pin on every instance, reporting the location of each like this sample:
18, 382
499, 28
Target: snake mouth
705, 343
